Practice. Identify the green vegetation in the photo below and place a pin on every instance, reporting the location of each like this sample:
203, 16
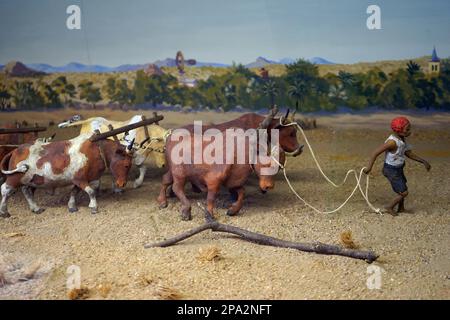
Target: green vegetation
302, 85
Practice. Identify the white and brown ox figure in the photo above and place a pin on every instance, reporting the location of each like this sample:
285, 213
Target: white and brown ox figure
150, 140
78, 162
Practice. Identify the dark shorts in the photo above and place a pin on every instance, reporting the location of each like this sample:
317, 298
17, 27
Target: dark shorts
396, 177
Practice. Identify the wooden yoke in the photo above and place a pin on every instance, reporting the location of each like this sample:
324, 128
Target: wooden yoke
22, 130
110, 127
104, 135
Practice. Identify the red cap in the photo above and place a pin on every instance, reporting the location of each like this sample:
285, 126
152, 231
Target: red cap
399, 123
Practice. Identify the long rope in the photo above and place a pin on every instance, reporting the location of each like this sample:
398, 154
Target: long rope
357, 178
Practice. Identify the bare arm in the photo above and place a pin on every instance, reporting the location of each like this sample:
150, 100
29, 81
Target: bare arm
388, 146
415, 157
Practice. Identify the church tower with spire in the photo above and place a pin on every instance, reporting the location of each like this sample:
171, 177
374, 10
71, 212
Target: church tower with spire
434, 65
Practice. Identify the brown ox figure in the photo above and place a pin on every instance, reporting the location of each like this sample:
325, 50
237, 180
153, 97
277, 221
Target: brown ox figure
287, 134
78, 162
208, 176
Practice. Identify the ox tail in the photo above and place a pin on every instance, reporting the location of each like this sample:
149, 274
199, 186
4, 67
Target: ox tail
4, 165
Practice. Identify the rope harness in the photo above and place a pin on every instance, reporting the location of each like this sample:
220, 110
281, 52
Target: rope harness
358, 178
148, 141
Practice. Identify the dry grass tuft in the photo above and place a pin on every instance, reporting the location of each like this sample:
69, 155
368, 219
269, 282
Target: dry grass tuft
347, 240
166, 293
209, 254
104, 289
14, 234
146, 280
79, 293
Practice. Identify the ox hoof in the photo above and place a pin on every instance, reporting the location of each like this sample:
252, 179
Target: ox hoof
136, 185
38, 211
4, 215
72, 210
186, 216
231, 213
163, 205
94, 210
118, 191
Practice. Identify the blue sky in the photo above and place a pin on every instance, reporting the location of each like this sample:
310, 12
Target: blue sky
116, 32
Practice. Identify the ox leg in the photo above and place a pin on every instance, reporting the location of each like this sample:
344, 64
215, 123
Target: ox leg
166, 182
96, 186
211, 197
178, 188
93, 201
237, 205
72, 202
140, 180
6, 191
28, 192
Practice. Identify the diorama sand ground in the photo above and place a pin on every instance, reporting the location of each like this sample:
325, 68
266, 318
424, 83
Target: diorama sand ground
414, 248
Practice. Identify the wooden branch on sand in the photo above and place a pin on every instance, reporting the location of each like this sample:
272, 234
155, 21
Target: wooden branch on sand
316, 247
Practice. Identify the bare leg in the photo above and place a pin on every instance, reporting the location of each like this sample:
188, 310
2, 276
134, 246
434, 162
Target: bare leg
138, 182
7, 191
72, 203
178, 188
237, 205
28, 192
401, 197
167, 181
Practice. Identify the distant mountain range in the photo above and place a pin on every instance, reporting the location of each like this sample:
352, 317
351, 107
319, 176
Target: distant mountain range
168, 62
261, 62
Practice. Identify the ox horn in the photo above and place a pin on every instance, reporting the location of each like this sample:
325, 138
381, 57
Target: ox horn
130, 146
266, 122
285, 117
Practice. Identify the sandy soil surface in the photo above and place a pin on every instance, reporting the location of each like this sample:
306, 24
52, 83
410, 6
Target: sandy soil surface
36, 250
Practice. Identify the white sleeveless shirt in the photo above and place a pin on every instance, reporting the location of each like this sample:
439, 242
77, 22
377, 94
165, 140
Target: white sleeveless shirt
397, 158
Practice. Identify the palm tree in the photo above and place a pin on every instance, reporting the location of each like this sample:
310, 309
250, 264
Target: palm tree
62, 87
270, 89
412, 68
298, 91
346, 78
4, 97
338, 92
230, 94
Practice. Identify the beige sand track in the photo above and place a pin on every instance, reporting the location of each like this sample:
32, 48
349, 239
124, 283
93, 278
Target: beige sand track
108, 247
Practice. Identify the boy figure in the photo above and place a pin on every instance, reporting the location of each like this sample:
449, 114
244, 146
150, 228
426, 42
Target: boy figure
395, 149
